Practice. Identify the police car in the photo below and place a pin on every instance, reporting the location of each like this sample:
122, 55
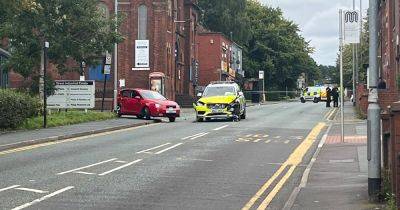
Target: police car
312, 93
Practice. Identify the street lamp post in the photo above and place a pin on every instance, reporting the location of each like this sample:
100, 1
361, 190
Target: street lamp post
45, 47
116, 58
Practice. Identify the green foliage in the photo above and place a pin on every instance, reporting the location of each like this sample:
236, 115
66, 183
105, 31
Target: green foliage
16, 107
271, 43
330, 74
66, 118
75, 29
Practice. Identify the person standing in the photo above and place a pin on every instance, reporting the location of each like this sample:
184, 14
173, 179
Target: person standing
335, 95
328, 96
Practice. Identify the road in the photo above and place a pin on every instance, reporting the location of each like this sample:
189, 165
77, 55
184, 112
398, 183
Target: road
184, 165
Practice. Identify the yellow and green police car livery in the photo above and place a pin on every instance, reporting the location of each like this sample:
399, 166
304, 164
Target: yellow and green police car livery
218, 101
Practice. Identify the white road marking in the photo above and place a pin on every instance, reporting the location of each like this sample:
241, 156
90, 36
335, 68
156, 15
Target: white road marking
166, 149
222, 127
32, 190
82, 172
268, 141
286, 142
256, 136
199, 136
257, 140
78, 169
120, 161
120, 167
9, 188
188, 137
43, 198
277, 137
242, 140
144, 151
248, 135
265, 136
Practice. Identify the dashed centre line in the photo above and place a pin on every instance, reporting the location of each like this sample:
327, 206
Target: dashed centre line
153, 148
166, 149
120, 167
31, 190
220, 128
88, 166
43, 198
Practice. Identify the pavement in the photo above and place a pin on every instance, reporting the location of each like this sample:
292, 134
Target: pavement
338, 177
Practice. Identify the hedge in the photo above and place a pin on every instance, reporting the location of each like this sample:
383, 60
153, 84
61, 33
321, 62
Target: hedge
16, 107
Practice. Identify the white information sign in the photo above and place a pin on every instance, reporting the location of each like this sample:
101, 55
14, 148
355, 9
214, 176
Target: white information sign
260, 74
142, 54
351, 22
72, 94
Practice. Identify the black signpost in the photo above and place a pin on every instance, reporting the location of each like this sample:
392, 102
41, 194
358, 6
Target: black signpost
106, 71
46, 46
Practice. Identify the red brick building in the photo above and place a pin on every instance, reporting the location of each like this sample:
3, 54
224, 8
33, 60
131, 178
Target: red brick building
166, 30
389, 52
215, 56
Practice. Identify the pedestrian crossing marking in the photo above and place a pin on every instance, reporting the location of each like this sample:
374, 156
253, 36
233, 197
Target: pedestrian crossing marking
265, 136
277, 137
268, 141
257, 140
287, 142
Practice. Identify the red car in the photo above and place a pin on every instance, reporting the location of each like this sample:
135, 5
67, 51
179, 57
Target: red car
146, 104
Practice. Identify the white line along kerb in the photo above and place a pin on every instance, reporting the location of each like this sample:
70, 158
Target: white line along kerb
43, 198
120, 167
78, 169
220, 128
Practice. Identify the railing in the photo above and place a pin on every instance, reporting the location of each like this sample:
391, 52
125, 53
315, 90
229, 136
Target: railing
256, 96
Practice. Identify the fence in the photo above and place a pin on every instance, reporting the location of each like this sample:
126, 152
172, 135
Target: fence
256, 96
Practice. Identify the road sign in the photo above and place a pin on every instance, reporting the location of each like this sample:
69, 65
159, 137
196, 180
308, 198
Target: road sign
72, 94
107, 69
108, 58
260, 74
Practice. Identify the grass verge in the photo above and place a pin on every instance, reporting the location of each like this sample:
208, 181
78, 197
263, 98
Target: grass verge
66, 118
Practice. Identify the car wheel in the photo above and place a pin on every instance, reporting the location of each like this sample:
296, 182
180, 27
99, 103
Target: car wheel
146, 113
119, 113
243, 116
172, 119
315, 100
199, 119
303, 100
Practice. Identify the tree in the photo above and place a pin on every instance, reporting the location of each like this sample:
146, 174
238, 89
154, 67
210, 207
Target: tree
75, 29
226, 16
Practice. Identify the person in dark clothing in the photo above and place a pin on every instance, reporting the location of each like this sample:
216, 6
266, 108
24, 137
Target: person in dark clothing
335, 95
381, 84
328, 97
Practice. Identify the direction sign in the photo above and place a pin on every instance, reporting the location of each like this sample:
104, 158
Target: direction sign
72, 94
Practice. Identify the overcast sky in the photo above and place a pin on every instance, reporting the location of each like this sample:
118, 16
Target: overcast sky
319, 23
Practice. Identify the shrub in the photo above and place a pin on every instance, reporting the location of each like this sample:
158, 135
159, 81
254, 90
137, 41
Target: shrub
16, 107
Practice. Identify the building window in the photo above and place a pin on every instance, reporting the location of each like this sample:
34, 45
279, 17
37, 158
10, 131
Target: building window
142, 22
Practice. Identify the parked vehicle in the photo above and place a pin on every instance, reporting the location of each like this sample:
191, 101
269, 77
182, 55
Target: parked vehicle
219, 100
311, 94
146, 104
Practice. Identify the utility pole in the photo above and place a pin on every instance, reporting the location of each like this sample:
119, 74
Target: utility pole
354, 64
341, 40
116, 58
374, 146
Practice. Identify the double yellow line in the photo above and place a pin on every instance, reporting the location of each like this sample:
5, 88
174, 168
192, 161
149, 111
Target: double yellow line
292, 162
